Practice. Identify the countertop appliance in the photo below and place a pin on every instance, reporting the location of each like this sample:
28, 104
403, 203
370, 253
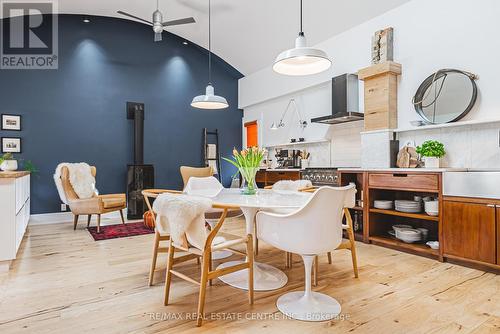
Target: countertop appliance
345, 101
326, 176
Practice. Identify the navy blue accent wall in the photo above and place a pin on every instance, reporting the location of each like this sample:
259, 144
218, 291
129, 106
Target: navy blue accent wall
77, 113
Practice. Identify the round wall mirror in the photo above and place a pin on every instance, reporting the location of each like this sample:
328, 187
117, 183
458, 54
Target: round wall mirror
446, 96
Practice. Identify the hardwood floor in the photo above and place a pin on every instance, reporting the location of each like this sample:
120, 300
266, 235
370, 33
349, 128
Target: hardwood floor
64, 282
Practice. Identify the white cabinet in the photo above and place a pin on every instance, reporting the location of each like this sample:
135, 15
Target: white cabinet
14, 212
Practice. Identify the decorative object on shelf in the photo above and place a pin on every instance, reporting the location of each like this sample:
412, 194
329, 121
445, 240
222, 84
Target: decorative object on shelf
157, 23
431, 208
29, 166
248, 163
431, 151
11, 145
302, 122
209, 100
446, 96
8, 163
407, 156
383, 46
11, 122
301, 60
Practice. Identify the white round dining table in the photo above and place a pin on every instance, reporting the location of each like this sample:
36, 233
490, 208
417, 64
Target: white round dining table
266, 277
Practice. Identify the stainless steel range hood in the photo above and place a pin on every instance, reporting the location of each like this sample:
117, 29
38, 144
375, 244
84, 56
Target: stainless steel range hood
345, 101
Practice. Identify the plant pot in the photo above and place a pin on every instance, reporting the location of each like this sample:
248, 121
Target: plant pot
9, 165
248, 184
431, 162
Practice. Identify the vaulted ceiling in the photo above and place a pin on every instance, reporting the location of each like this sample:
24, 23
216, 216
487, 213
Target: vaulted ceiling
248, 34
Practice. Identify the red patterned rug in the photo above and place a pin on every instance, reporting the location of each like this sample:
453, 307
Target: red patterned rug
119, 231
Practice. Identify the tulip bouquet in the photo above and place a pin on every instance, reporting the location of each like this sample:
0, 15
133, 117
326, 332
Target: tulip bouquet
248, 163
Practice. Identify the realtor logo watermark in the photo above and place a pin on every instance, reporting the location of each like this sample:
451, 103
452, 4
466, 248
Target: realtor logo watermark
29, 35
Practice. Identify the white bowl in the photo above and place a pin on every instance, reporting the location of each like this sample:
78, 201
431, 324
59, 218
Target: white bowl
408, 235
400, 226
433, 244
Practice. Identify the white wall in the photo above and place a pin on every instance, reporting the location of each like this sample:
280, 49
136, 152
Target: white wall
428, 35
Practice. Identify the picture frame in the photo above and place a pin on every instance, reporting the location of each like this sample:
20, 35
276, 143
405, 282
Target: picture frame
11, 145
11, 122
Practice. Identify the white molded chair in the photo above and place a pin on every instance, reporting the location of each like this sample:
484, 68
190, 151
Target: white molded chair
209, 187
314, 229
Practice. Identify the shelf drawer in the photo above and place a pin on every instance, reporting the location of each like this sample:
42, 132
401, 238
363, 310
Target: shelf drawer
273, 177
423, 182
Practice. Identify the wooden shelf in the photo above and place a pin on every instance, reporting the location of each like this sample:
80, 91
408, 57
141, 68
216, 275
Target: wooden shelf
404, 214
400, 245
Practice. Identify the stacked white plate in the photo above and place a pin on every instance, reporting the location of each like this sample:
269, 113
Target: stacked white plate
408, 206
380, 204
408, 235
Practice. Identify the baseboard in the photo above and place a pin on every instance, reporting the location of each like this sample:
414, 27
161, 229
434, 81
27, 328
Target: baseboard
64, 217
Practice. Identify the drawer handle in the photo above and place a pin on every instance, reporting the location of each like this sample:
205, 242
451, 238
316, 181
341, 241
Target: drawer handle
399, 175
281, 173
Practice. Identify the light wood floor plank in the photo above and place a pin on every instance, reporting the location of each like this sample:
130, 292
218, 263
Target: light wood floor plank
65, 282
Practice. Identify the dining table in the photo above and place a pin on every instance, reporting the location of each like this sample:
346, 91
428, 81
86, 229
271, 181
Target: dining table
266, 277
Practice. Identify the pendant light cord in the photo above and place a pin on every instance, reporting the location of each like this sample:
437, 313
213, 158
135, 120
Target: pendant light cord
301, 31
210, 43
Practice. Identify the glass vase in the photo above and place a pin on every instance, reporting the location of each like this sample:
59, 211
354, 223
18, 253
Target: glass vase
248, 184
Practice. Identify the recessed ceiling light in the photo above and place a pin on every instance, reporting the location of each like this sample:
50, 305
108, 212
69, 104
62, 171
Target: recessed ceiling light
86, 20
185, 43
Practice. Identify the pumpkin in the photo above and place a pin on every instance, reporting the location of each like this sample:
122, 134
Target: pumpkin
149, 219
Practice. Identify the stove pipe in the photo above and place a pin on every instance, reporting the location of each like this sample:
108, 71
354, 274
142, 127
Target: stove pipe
135, 111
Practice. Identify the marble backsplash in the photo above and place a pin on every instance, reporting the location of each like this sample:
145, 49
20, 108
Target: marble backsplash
470, 146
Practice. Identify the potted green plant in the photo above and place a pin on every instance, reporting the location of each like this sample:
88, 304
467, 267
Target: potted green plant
431, 152
248, 163
7, 162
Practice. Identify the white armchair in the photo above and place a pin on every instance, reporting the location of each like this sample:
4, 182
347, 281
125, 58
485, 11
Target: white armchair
314, 229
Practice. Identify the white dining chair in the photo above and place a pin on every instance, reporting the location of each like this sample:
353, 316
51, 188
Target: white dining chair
208, 187
314, 229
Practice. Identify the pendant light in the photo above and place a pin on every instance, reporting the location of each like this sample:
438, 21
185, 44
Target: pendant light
209, 100
301, 60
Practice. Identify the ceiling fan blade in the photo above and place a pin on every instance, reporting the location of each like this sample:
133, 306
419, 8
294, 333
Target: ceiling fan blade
179, 22
134, 17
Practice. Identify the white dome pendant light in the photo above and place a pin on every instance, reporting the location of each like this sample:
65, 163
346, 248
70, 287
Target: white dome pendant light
209, 100
301, 60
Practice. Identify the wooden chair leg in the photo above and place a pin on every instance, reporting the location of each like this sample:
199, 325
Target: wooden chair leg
255, 242
250, 269
287, 260
89, 218
121, 216
210, 281
75, 221
168, 274
156, 244
329, 257
99, 223
354, 256
203, 289
315, 272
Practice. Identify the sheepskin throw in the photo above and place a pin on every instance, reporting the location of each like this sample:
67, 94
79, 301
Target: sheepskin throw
185, 216
292, 185
80, 178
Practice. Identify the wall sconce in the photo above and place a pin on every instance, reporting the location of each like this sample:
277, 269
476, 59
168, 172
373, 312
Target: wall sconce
302, 122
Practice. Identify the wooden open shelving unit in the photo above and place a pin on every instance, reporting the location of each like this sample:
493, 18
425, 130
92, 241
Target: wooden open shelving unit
393, 185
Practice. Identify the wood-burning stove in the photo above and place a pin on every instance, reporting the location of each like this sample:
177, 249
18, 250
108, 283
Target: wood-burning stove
140, 176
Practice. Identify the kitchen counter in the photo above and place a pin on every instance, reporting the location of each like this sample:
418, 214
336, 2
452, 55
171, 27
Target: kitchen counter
14, 174
282, 169
404, 170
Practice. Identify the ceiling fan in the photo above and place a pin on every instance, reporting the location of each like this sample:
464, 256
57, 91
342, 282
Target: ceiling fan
157, 23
